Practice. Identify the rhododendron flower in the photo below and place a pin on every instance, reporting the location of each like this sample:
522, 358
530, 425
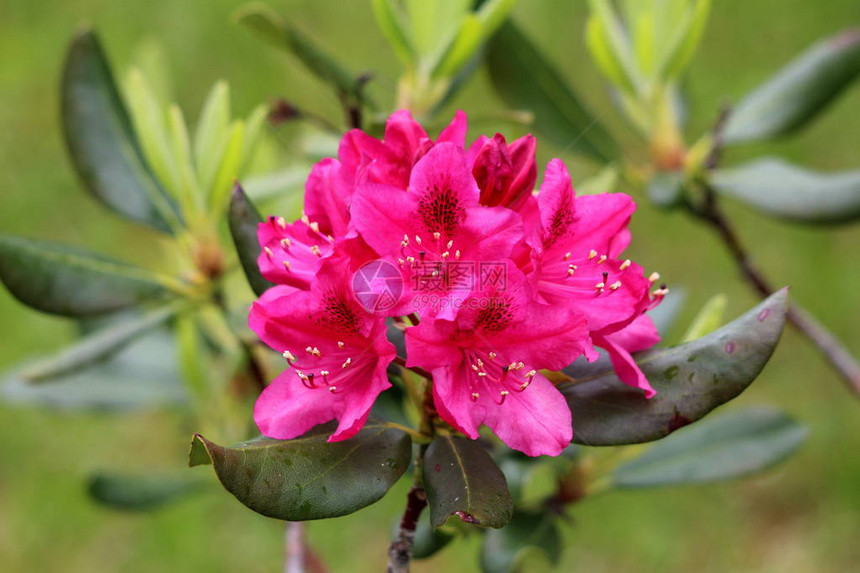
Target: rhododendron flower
337, 355
485, 367
498, 284
437, 225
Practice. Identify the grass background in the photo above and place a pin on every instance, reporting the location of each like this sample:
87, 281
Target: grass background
802, 516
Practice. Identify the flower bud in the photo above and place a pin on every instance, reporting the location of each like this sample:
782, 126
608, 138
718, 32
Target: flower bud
506, 174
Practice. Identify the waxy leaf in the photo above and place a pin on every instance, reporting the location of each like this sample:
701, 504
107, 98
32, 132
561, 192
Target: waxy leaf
72, 282
308, 477
244, 219
729, 446
139, 492
142, 375
506, 550
798, 92
102, 143
785, 190
98, 345
526, 80
462, 479
690, 380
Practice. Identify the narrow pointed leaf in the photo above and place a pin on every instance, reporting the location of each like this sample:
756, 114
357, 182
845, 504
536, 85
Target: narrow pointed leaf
709, 318
141, 492
526, 80
507, 550
798, 92
791, 192
462, 479
72, 282
98, 345
392, 23
101, 141
308, 477
244, 219
729, 446
691, 380
142, 375
272, 28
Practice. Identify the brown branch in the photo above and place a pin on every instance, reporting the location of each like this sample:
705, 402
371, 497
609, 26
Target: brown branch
400, 550
300, 557
830, 346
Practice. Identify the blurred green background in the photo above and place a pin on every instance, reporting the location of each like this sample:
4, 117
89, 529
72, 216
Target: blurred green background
802, 516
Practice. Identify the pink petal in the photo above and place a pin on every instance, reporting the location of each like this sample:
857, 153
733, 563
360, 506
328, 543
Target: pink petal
640, 335
290, 254
327, 195
455, 132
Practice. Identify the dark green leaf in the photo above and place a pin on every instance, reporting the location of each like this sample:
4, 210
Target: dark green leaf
798, 92
138, 492
101, 141
785, 190
142, 375
690, 380
462, 479
507, 550
244, 218
98, 345
272, 28
729, 446
308, 477
526, 80
72, 282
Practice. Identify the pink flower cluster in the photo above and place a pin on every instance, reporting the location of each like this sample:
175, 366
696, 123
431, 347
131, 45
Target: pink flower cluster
497, 282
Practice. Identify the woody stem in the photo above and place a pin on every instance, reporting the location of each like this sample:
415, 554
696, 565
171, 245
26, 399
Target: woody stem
400, 550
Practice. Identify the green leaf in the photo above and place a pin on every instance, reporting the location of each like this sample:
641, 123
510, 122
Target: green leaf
228, 171
393, 25
686, 41
709, 318
141, 375
525, 79
605, 181
308, 477
98, 345
508, 550
101, 142
798, 92
140, 492
272, 28
244, 219
462, 479
729, 446
605, 32
474, 31
72, 282
791, 192
691, 380
665, 188
211, 133
290, 181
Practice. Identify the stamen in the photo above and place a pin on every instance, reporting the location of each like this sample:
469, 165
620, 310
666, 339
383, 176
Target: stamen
445, 255
475, 396
625, 264
418, 239
567, 256
268, 251
531, 373
503, 394
305, 219
492, 355
475, 367
480, 363
482, 374
286, 243
289, 356
457, 254
316, 250
655, 276
600, 285
280, 222
450, 244
525, 384
615, 286
315, 227
592, 254
346, 363
437, 235
602, 259
332, 389
340, 344
324, 373
287, 265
